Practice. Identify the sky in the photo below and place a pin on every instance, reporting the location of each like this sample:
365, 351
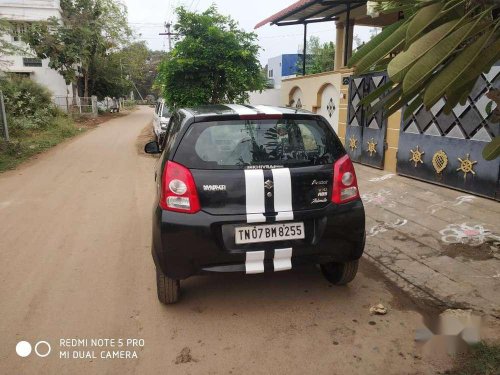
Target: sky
147, 18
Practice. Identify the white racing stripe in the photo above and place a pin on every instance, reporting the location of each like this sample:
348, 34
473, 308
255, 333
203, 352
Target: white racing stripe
241, 109
283, 194
254, 262
282, 259
266, 110
254, 189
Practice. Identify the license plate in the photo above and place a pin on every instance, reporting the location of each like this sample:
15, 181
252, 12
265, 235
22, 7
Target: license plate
268, 233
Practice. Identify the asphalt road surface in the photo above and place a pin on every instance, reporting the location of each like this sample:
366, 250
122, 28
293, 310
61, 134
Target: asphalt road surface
76, 264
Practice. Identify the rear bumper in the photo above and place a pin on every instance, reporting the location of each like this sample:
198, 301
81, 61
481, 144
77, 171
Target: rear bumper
185, 245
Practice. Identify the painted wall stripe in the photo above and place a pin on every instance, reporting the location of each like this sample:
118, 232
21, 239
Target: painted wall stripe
241, 109
254, 189
283, 194
282, 259
254, 262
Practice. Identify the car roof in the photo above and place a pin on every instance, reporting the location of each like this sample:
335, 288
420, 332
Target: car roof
244, 110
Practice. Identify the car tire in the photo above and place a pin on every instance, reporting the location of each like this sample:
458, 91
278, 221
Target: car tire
168, 289
340, 273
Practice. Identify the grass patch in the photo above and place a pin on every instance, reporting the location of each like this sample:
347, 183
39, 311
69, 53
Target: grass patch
482, 359
31, 142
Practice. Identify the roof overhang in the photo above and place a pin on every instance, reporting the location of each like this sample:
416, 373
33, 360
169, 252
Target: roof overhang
311, 11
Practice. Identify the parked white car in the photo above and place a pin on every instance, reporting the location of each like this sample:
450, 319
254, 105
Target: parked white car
161, 118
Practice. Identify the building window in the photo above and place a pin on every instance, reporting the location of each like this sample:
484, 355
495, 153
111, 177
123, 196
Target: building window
271, 73
34, 62
18, 29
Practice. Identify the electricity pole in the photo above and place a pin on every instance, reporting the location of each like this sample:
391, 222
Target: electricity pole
169, 35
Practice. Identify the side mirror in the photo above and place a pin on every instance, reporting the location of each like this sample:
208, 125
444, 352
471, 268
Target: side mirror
152, 148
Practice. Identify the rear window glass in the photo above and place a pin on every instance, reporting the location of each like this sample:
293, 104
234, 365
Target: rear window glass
258, 144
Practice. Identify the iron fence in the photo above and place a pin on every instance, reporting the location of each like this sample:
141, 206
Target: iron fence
77, 105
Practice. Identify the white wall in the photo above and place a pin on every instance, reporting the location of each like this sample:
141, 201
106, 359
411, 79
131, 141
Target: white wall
267, 97
274, 64
33, 10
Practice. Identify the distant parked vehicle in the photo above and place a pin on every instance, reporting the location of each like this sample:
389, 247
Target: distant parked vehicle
161, 118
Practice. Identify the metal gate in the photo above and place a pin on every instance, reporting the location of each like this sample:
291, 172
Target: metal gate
446, 149
365, 135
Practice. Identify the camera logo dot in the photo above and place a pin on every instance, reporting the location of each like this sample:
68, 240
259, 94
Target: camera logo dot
23, 348
40, 346
42, 349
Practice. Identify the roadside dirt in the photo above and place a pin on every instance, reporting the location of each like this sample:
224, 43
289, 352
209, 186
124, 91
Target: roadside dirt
484, 251
88, 122
76, 263
146, 135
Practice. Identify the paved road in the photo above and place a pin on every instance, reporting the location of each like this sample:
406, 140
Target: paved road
75, 263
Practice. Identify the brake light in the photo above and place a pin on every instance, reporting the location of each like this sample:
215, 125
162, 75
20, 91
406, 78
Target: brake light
178, 191
345, 184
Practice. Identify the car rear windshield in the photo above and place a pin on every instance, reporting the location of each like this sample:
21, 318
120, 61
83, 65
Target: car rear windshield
258, 144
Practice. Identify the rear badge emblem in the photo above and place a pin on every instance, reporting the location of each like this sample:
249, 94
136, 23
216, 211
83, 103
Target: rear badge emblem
268, 184
214, 187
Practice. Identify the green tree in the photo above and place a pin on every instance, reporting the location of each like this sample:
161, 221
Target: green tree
322, 56
319, 57
437, 50
145, 83
214, 62
116, 73
89, 29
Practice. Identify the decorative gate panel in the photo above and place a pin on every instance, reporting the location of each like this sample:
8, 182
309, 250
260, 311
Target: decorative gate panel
446, 149
365, 135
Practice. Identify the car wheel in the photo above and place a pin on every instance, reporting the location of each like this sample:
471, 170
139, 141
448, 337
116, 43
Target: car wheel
340, 273
167, 288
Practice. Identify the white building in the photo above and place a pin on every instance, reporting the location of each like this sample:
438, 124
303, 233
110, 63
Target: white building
283, 67
20, 13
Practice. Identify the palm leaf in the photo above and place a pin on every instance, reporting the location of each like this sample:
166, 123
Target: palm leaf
492, 149
400, 65
387, 101
453, 72
412, 107
390, 44
428, 63
376, 93
368, 47
482, 63
422, 20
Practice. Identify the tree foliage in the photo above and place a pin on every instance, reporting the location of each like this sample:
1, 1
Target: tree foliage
27, 103
437, 50
320, 57
89, 29
117, 73
214, 62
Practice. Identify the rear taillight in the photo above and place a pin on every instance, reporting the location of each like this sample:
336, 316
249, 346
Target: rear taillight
345, 185
178, 191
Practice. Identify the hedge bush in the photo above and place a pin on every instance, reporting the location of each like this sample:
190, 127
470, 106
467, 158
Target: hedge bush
28, 104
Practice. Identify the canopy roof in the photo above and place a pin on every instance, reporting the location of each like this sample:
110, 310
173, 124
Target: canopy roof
311, 11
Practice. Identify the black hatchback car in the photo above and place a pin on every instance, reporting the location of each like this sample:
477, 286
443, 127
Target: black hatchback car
253, 189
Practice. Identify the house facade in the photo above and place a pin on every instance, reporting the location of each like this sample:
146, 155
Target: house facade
283, 67
443, 149
20, 13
